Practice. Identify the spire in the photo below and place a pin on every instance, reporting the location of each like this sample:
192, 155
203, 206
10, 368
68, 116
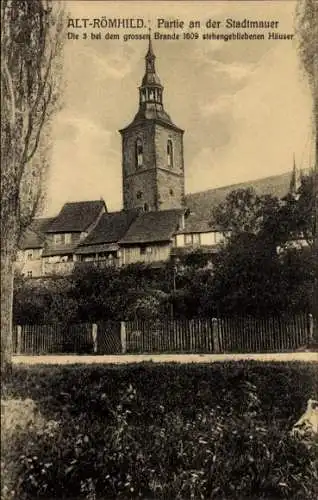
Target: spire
151, 91
293, 180
150, 78
150, 52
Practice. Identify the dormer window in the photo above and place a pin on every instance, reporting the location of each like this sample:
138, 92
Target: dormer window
170, 153
139, 153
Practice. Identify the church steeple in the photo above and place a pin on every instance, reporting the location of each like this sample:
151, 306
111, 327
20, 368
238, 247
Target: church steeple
150, 91
293, 180
152, 149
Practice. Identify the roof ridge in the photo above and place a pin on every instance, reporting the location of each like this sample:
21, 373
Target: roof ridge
229, 186
83, 201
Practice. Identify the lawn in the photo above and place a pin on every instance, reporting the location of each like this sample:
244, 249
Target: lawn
219, 431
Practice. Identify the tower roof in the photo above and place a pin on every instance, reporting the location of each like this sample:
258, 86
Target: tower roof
150, 77
150, 52
150, 94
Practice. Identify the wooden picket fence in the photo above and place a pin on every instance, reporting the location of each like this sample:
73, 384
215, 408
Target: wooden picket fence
219, 335
53, 339
211, 335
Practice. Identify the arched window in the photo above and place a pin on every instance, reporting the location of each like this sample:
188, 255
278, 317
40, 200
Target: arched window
169, 153
138, 153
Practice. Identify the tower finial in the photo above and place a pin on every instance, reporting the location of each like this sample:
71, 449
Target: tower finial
150, 52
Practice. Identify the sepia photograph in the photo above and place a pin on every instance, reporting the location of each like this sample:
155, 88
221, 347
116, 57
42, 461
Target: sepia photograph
159, 251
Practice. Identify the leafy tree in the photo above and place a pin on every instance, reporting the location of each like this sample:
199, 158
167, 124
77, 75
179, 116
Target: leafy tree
243, 210
250, 276
31, 35
295, 218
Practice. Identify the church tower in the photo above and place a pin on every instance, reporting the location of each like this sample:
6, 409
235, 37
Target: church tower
152, 150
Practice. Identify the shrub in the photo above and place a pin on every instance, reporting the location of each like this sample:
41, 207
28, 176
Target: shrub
23, 427
164, 431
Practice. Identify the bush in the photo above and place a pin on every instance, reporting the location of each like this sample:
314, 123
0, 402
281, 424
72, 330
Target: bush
166, 431
23, 427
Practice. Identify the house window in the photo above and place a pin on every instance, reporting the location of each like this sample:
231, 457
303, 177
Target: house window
170, 153
148, 250
30, 255
196, 239
188, 239
57, 239
142, 250
67, 238
218, 237
138, 153
139, 195
29, 274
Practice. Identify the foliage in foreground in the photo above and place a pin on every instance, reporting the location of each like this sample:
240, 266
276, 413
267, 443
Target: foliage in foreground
151, 431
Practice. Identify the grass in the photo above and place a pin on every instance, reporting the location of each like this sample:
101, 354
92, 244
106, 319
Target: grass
219, 431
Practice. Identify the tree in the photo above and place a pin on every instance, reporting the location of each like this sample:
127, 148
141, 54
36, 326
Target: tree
243, 210
31, 42
250, 274
307, 17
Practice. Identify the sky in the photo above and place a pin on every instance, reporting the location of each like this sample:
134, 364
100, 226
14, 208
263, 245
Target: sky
245, 106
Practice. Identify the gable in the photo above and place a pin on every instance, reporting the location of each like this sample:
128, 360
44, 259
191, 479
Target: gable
77, 216
110, 228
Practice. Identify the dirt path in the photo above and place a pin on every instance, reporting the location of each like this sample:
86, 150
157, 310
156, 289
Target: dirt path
164, 358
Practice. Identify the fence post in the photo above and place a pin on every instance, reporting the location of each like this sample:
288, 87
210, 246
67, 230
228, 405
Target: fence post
123, 337
310, 328
215, 336
94, 335
19, 339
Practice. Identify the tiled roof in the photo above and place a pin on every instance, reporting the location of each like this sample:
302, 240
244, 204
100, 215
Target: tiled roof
34, 236
76, 216
156, 113
110, 228
201, 204
153, 227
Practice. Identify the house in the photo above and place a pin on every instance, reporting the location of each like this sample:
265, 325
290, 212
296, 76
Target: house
150, 237
101, 246
72, 225
29, 259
